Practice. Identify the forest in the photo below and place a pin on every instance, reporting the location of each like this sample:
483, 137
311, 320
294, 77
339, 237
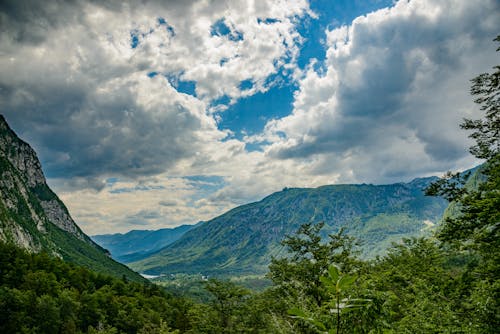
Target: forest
446, 283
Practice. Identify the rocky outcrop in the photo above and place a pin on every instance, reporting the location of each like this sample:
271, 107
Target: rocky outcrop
58, 216
20, 155
23, 181
34, 218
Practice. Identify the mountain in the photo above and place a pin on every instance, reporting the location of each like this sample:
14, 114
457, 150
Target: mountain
243, 240
139, 244
34, 218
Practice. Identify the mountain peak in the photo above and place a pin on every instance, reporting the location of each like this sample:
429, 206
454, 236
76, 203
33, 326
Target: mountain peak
20, 155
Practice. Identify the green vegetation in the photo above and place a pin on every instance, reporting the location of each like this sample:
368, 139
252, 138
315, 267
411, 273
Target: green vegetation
336, 284
84, 254
42, 294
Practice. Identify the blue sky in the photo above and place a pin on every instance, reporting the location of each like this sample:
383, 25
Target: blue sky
156, 114
250, 115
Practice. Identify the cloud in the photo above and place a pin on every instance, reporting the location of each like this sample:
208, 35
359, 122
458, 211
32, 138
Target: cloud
387, 102
168, 203
42, 17
142, 217
100, 87
150, 202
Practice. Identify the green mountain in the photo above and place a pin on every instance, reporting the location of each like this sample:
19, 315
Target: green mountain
139, 244
243, 240
34, 218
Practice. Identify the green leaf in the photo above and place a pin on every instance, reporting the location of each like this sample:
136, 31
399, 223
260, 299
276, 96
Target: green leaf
334, 272
295, 311
328, 283
298, 313
345, 281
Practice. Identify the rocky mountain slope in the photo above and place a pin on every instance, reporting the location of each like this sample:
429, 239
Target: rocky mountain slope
34, 218
138, 244
243, 240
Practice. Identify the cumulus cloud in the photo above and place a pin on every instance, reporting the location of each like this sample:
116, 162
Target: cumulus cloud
387, 102
97, 86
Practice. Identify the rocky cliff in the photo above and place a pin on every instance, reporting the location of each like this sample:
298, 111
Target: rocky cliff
34, 218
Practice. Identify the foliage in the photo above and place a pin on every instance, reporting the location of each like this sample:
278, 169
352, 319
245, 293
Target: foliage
299, 279
228, 297
309, 259
475, 228
42, 294
486, 131
480, 208
337, 285
415, 289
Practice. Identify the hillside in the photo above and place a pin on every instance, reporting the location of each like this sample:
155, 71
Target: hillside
243, 240
138, 244
34, 218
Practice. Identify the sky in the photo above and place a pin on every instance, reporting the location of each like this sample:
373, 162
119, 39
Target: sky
152, 114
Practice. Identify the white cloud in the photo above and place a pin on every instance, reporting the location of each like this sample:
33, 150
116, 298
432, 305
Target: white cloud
150, 203
394, 89
79, 91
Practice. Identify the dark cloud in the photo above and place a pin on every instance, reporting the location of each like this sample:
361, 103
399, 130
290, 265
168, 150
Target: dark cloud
82, 111
25, 21
86, 137
168, 203
143, 217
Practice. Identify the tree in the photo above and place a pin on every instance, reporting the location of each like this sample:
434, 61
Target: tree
228, 298
476, 227
297, 277
309, 259
416, 288
479, 220
338, 285
486, 133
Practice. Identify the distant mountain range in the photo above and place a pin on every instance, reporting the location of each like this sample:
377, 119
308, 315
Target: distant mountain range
34, 218
139, 244
243, 240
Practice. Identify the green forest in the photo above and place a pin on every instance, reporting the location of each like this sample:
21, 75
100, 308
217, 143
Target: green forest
446, 283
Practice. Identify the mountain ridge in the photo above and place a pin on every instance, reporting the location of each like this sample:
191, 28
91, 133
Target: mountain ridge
138, 244
243, 240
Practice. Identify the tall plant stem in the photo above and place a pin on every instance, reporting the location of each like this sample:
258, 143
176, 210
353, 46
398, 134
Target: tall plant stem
338, 312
